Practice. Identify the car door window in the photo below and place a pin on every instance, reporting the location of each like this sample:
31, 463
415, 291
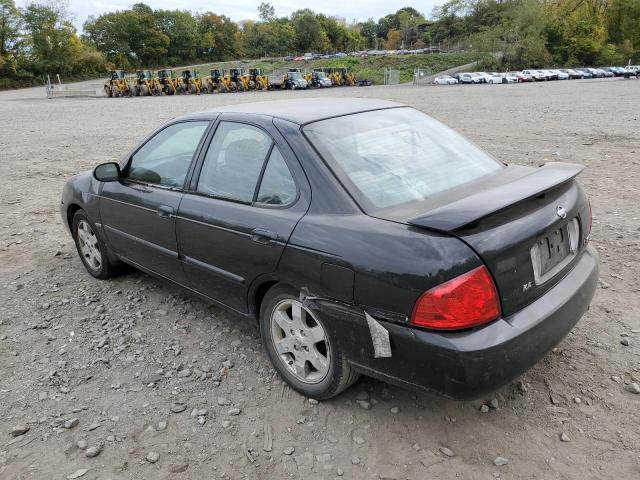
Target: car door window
233, 163
277, 186
165, 158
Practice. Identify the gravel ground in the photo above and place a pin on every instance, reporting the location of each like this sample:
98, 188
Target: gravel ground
130, 378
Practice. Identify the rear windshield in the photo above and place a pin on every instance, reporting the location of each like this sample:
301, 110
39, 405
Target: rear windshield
396, 156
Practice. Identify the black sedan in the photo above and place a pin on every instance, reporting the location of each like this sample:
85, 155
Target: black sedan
364, 236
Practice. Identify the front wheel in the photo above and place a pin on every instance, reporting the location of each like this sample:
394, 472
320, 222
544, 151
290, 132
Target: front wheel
301, 348
91, 248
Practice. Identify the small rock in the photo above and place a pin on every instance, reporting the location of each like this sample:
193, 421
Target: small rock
202, 420
625, 342
484, 409
162, 425
93, 426
152, 457
178, 467
394, 410
358, 439
500, 461
72, 422
577, 400
227, 364
355, 460
493, 403
447, 451
199, 412
339, 472
93, 451
313, 401
178, 407
77, 474
226, 423
82, 444
564, 437
234, 411
363, 395
19, 430
289, 450
364, 404
633, 388
222, 401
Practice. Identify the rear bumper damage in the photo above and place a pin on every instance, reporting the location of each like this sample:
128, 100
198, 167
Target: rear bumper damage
466, 365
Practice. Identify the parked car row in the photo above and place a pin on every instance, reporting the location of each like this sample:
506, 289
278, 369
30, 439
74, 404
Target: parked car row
530, 75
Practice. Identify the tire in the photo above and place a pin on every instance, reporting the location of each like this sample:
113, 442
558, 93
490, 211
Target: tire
333, 375
90, 246
144, 91
222, 88
108, 92
115, 91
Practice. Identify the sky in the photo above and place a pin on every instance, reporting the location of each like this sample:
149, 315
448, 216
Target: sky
239, 10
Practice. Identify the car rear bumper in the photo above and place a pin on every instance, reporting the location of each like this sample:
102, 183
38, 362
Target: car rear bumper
468, 364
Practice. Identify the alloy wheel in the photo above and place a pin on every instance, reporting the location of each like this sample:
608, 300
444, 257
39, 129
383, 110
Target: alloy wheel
300, 341
89, 246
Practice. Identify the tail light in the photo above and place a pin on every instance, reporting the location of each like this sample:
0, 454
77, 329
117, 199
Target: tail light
466, 301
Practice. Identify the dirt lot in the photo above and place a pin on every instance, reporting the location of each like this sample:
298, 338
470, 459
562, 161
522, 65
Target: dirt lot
85, 363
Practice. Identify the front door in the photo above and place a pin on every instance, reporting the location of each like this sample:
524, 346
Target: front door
139, 212
244, 203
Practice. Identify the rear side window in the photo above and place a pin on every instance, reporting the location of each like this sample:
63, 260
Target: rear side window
165, 158
233, 163
396, 156
277, 186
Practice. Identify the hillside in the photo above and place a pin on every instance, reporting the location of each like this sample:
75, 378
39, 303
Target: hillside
371, 68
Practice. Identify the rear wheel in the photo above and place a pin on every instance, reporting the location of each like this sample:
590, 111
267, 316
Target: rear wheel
300, 347
144, 91
91, 248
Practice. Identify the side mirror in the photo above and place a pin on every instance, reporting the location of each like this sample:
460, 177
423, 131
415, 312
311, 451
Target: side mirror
107, 172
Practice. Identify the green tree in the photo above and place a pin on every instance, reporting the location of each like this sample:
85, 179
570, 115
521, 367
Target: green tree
182, 30
222, 34
129, 37
9, 26
307, 30
266, 12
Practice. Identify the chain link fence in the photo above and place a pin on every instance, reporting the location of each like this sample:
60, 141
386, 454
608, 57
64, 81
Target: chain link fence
391, 77
422, 76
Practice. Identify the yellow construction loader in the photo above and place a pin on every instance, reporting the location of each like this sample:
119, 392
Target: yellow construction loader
117, 85
167, 81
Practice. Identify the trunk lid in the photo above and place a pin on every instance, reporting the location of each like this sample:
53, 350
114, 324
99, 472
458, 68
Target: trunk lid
527, 224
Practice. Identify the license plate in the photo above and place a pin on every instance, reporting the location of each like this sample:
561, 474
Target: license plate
553, 251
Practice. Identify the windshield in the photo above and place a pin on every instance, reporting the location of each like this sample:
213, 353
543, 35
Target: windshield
396, 156
295, 75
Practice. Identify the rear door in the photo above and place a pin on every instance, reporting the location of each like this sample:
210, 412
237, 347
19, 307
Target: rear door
139, 212
246, 197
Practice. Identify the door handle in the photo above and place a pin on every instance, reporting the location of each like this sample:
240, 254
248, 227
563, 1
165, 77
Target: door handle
260, 235
165, 211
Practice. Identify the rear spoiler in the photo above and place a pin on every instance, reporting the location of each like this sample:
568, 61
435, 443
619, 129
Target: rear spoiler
469, 209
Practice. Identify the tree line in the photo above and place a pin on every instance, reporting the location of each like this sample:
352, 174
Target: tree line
41, 39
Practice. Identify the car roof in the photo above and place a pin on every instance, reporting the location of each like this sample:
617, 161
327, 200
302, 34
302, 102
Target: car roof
301, 110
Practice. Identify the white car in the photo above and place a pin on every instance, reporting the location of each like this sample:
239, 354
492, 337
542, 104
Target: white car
561, 75
510, 77
495, 77
445, 80
484, 75
535, 74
